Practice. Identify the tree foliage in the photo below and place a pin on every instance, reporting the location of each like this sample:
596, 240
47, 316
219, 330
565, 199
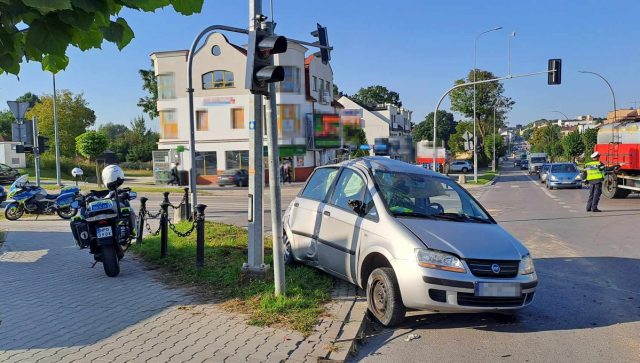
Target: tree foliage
488, 146
29, 97
74, 117
487, 95
149, 103
134, 143
444, 129
456, 141
43, 30
589, 140
6, 119
91, 144
374, 95
360, 139
573, 145
547, 139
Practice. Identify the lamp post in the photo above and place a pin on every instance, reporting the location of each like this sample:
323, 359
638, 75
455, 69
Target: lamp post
615, 116
475, 56
495, 106
563, 114
512, 35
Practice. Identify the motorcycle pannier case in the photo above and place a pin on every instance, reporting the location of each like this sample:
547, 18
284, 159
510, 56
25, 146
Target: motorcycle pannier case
80, 229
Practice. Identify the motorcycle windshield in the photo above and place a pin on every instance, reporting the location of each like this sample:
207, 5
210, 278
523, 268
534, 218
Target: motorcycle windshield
19, 183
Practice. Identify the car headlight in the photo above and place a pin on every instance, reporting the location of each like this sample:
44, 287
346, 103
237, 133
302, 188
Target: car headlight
439, 260
526, 266
578, 177
553, 178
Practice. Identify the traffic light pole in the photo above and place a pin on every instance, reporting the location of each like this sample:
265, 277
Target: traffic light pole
36, 150
435, 113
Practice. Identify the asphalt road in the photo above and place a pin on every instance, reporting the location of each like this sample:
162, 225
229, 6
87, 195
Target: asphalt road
587, 306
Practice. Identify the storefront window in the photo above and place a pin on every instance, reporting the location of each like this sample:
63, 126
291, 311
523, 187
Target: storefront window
237, 159
206, 163
291, 82
168, 125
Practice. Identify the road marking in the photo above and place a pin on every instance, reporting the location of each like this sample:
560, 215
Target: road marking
515, 186
566, 206
573, 211
561, 202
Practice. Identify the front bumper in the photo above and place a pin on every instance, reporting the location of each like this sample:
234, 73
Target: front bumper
564, 184
444, 291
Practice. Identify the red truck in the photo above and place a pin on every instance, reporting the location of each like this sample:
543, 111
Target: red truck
619, 144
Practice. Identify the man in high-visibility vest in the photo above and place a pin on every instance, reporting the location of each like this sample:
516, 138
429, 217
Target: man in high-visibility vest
595, 176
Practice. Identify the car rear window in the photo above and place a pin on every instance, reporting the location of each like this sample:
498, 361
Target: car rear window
563, 168
319, 183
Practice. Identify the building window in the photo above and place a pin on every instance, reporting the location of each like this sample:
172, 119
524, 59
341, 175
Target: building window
237, 118
315, 83
291, 82
237, 159
166, 87
217, 79
206, 163
328, 89
168, 125
215, 50
321, 84
202, 121
289, 125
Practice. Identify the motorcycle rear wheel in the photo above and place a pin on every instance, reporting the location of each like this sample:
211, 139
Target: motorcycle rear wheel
110, 261
67, 213
13, 211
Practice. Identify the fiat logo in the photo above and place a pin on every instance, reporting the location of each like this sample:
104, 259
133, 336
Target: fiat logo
495, 268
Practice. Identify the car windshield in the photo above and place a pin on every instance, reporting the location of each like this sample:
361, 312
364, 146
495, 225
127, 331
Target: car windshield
425, 196
538, 160
563, 168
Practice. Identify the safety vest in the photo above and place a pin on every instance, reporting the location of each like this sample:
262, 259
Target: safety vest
593, 171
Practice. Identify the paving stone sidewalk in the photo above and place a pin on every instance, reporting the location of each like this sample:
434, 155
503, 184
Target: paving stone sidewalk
55, 308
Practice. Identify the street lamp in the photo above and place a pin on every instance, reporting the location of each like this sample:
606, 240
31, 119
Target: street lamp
615, 116
495, 106
475, 141
563, 114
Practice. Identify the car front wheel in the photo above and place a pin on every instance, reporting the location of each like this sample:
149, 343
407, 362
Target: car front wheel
383, 297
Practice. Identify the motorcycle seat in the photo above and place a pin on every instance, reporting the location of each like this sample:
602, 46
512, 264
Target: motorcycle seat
52, 196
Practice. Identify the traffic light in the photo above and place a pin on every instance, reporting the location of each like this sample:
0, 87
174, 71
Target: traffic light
260, 68
43, 144
23, 149
323, 40
555, 72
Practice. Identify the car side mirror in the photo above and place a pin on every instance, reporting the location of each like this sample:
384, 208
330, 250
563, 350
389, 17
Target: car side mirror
357, 206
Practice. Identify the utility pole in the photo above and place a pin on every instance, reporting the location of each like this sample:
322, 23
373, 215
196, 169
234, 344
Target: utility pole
274, 186
55, 130
255, 263
36, 150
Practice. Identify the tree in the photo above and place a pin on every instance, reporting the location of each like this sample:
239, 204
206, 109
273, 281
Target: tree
572, 144
547, 139
92, 144
486, 97
117, 136
336, 91
113, 131
149, 104
526, 134
74, 117
28, 97
142, 141
6, 119
488, 146
43, 30
374, 95
589, 139
444, 129
360, 139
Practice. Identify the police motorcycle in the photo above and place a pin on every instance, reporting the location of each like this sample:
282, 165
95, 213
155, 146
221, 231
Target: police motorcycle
107, 222
31, 199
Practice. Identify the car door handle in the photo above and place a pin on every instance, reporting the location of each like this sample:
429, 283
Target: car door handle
326, 213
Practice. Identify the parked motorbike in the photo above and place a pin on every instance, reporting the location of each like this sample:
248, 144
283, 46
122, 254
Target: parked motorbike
106, 225
32, 199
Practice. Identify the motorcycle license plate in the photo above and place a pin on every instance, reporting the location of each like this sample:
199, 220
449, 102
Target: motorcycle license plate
104, 232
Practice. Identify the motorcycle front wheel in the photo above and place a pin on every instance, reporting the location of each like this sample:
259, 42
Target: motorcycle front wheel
110, 261
13, 211
67, 212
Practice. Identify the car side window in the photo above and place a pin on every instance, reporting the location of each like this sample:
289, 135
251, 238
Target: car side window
350, 187
370, 207
319, 183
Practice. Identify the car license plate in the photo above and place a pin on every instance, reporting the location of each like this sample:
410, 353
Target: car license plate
104, 232
498, 289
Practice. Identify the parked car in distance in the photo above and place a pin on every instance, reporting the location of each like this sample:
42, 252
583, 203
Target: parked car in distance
237, 177
460, 166
516, 162
535, 162
524, 164
410, 237
564, 175
8, 174
544, 170
3, 194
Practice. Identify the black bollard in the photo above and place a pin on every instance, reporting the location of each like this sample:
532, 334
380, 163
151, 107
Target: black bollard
200, 235
187, 209
141, 215
164, 221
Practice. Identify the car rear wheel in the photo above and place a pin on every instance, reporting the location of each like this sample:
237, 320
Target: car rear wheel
383, 297
464, 170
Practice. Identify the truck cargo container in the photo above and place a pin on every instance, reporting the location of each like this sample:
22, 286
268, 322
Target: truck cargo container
619, 144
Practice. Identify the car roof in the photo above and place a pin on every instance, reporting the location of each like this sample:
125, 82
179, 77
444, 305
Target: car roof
388, 164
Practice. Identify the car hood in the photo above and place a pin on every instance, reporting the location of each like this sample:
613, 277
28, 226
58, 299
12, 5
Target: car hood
466, 240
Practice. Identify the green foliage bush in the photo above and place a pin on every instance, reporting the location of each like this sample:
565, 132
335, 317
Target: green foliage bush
48, 166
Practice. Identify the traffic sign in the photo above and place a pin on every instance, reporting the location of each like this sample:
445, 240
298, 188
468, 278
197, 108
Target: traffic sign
467, 136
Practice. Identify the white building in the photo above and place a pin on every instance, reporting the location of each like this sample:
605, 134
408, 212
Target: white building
381, 121
9, 156
222, 106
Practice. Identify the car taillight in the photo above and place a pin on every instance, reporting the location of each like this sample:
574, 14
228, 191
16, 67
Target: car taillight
103, 222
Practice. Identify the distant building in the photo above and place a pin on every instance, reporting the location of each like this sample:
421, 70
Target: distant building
623, 115
222, 104
380, 121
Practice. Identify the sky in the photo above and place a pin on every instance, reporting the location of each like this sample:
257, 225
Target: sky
417, 48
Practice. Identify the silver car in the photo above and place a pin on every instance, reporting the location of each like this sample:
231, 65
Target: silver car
460, 166
412, 238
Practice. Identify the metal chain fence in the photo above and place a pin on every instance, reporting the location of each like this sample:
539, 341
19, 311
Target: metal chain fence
182, 234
